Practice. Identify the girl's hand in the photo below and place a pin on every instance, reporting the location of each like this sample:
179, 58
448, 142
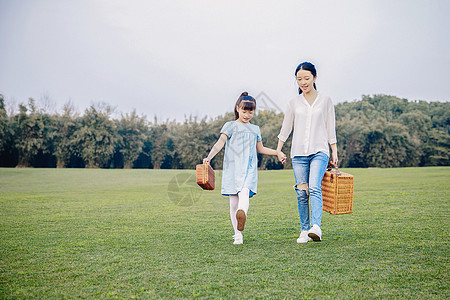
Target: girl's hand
205, 161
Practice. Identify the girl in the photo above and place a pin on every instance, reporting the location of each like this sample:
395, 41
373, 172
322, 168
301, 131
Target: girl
312, 115
240, 162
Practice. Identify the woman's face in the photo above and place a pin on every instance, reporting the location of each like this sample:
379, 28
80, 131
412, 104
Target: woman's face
244, 115
305, 80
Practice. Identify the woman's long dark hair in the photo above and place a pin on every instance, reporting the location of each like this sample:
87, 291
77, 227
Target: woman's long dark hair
308, 67
245, 102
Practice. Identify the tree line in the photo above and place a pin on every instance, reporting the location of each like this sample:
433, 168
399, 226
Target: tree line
376, 131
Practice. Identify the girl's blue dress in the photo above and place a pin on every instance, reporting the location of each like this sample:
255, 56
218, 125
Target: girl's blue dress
240, 162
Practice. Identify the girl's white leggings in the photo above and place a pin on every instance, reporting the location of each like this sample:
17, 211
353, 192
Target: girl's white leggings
239, 201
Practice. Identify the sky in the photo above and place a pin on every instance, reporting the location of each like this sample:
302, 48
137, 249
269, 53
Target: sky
180, 58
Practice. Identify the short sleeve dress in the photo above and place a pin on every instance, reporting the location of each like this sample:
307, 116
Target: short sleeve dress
240, 162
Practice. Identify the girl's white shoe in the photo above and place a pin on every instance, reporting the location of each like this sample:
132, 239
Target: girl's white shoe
238, 239
303, 238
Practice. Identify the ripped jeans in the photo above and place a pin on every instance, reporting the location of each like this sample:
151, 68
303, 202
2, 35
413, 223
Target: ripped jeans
308, 172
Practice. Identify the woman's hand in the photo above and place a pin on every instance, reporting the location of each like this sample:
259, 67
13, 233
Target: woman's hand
280, 154
281, 157
334, 158
206, 161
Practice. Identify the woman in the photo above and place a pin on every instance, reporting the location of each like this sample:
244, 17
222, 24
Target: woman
311, 114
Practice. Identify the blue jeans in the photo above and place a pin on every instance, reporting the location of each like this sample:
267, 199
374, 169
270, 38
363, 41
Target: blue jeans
308, 172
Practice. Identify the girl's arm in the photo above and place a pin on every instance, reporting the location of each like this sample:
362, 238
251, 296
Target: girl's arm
216, 148
268, 151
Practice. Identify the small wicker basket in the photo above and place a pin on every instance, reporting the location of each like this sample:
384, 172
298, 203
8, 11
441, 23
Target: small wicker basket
205, 176
337, 192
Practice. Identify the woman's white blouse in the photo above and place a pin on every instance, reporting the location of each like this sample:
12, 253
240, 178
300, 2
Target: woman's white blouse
314, 125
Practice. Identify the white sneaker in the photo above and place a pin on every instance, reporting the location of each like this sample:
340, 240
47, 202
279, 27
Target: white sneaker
238, 239
303, 238
315, 233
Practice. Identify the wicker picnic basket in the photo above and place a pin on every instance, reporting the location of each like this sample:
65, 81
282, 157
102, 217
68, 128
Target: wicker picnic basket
337, 192
205, 176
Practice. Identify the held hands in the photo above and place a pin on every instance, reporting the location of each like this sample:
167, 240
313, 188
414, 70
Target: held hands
281, 157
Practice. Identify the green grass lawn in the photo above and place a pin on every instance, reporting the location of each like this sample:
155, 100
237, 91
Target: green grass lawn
81, 233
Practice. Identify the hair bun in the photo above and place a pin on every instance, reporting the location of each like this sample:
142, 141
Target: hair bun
244, 94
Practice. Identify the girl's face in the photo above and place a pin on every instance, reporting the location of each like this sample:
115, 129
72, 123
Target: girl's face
244, 115
305, 80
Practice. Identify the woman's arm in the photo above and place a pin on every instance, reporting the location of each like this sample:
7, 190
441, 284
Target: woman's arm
285, 131
288, 122
331, 127
268, 151
280, 154
216, 148
334, 155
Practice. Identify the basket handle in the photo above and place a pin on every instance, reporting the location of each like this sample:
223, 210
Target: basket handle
205, 173
330, 167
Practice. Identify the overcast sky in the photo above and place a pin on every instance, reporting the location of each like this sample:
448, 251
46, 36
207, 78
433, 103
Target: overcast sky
175, 58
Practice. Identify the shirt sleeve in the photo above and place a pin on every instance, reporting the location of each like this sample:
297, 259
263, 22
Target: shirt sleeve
227, 129
288, 120
259, 138
331, 123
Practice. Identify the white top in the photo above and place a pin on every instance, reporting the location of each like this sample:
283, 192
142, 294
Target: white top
314, 125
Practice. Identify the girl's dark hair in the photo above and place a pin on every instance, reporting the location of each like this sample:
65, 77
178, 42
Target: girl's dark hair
308, 67
245, 102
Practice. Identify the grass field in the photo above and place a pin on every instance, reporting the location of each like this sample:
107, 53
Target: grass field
83, 233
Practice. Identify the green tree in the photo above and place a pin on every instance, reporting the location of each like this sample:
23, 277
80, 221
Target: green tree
64, 146
28, 130
161, 146
3, 124
8, 152
437, 148
389, 145
193, 141
96, 137
132, 131
351, 140
387, 131
379, 131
